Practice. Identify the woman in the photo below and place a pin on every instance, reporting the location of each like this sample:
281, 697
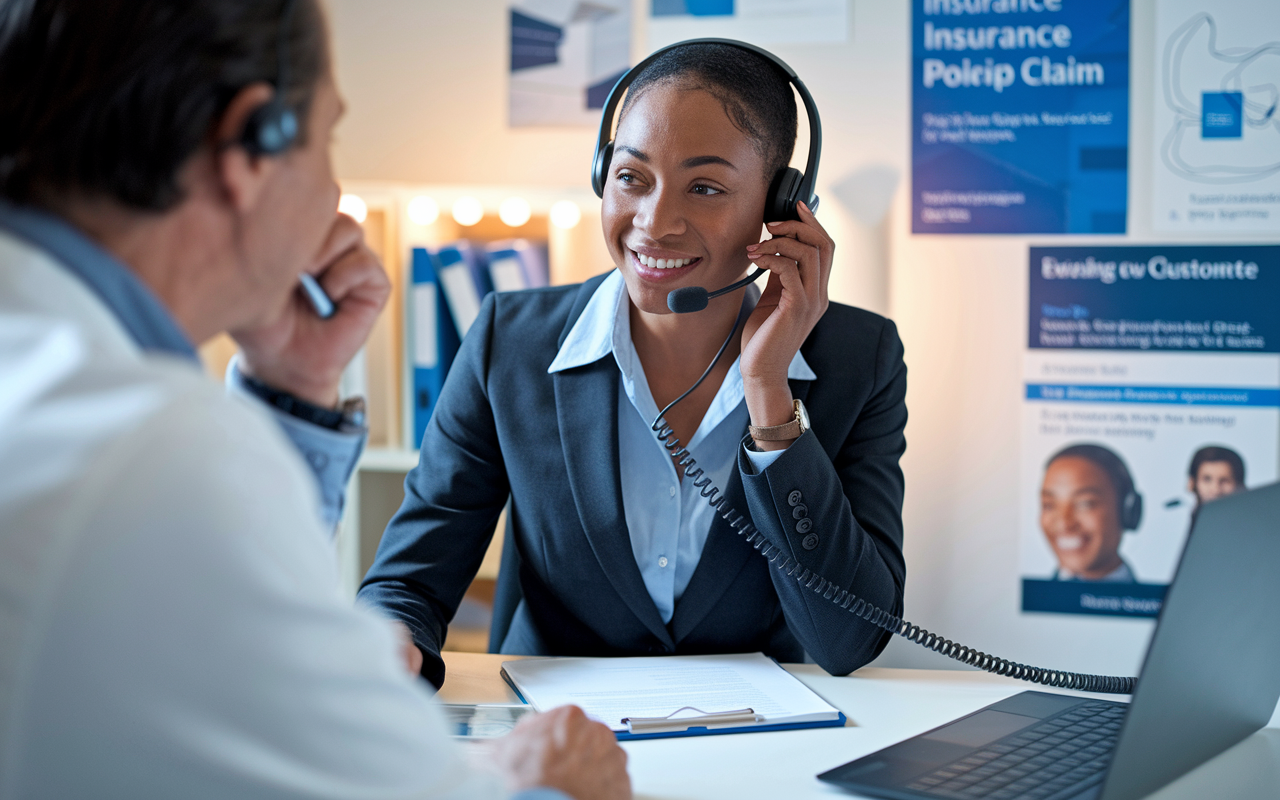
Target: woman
1087, 502
552, 396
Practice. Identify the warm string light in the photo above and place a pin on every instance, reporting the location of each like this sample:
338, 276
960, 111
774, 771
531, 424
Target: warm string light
423, 210
565, 214
467, 211
354, 206
514, 211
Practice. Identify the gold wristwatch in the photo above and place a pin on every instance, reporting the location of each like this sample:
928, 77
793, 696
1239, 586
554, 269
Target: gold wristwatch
781, 433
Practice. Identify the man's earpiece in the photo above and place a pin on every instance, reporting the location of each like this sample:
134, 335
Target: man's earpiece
270, 130
273, 128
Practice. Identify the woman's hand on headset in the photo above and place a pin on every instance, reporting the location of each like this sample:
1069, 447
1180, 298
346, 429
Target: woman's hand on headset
799, 257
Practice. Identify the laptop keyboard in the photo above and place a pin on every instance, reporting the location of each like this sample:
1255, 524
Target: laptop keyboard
1070, 751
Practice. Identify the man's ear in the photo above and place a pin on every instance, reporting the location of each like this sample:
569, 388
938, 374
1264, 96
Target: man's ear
1191, 485
242, 175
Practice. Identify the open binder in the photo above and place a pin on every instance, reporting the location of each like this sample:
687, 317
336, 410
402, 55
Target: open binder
665, 696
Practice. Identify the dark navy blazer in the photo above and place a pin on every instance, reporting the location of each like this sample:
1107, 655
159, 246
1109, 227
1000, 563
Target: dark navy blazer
504, 427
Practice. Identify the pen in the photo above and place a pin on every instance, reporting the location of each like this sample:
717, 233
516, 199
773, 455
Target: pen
319, 300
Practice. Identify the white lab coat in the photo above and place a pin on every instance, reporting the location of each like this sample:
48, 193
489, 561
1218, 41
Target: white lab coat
170, 619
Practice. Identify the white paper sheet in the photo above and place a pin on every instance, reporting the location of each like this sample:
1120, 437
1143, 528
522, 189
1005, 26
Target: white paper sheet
609, 689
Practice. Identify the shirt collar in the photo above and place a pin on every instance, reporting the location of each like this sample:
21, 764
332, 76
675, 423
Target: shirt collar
132, 302
1121, 574
594, 335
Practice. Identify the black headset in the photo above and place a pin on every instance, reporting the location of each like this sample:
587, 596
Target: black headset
1131, 511
1128, 500
273, 128
789, 186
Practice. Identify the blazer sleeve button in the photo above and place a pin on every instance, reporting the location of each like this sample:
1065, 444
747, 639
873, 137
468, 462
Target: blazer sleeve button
794, 498
804, 526
800, 512
810, 541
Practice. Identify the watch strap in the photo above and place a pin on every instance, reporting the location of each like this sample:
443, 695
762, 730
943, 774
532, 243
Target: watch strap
780, 433
330, 418
776, 433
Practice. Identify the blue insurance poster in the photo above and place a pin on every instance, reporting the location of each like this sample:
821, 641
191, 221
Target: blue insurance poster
1020, 116
1151, 387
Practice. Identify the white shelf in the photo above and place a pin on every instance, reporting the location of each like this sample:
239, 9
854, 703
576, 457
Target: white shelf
372, 498
388, 459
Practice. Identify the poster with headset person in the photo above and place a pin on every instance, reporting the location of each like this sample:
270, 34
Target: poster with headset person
1020, 116
1151, 387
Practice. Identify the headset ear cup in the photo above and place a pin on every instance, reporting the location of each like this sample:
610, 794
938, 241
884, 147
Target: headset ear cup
1131, 513
270, 130
600, 168
780, 203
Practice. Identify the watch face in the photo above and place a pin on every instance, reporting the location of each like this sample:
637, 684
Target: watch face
803, 414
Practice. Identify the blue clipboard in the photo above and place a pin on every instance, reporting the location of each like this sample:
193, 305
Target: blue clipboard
624, 736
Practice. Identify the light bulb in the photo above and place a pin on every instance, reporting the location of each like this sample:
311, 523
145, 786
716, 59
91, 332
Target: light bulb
565, 214
514, 211
467, 211
423, 210
354, 206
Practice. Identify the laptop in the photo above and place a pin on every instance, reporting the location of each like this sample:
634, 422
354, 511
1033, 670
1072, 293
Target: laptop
1210, 679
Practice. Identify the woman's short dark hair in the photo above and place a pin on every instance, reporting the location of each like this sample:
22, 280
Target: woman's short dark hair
110, 98
1215, 454
1105, 459
754, 91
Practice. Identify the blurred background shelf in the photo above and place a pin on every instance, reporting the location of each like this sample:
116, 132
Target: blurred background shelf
388, 459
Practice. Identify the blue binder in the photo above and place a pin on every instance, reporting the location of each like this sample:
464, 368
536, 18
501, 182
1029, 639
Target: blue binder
517, 264
431, 341
463, 273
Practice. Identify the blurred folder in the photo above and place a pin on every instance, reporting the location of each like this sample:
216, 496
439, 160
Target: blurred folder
517, 264
431, 341
464, 277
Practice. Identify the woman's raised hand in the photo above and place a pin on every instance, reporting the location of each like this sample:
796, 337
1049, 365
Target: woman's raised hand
799, 257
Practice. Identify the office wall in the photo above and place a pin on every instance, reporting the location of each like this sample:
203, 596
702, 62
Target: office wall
426, 88
426, 83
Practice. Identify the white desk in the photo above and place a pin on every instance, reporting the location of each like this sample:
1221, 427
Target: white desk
884, 706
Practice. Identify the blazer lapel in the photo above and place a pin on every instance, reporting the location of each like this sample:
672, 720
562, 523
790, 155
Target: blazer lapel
723, 555
586, 404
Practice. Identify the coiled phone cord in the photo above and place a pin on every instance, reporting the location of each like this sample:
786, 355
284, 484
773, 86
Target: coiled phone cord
1104, 684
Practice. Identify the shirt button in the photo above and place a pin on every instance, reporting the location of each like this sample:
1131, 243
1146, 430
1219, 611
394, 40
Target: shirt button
673, 491
662, 562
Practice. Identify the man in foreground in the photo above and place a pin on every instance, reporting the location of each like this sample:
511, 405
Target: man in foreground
169, 611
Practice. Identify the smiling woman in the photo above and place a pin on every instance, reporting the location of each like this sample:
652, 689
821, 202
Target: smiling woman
612, 549
1087, 502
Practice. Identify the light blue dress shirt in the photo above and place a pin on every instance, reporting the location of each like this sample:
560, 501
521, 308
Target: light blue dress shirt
332, 455
668, 520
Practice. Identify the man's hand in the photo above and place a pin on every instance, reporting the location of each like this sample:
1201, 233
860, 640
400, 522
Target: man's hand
562, 749
304, 355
